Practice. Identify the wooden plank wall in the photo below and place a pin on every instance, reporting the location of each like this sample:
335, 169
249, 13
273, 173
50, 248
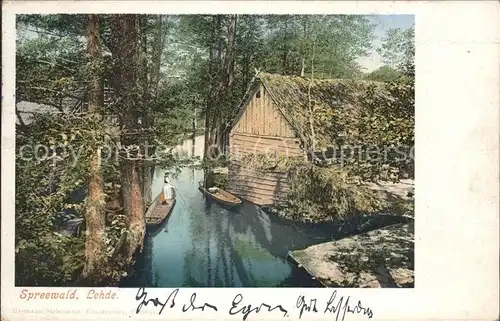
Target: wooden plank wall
261, 129
241, 144
261, 117
258, 187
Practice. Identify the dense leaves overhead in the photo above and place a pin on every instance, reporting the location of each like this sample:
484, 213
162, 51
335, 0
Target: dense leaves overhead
282, 44
49, 71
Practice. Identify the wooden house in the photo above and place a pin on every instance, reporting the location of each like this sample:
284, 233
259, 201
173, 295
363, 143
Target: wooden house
275, 118
74, 102
71, 102
260, 127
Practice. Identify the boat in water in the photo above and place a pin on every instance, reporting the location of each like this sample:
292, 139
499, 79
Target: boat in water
220, 196
159, 210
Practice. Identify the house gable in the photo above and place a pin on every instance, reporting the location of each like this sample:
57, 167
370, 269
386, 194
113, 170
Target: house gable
260, 116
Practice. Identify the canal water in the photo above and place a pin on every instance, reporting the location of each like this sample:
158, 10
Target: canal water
204, 244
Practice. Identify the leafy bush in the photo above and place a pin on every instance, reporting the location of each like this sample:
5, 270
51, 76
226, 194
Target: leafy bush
328, 193
49, 190
269, 161
220, 180
54, 260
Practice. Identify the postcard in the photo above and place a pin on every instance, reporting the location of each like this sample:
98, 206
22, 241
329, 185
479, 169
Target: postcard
250, 160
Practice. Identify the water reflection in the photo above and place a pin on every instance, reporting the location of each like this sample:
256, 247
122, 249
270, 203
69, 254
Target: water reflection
205, 245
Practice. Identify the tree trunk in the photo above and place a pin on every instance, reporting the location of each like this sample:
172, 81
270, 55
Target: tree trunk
303, 46
95, 241
125, 71
310, 103
133, 207
208, 179
223, 93
285, 48
229, 59
150, 89
246, 77
144, 165
219, 71
210, 93
158, 45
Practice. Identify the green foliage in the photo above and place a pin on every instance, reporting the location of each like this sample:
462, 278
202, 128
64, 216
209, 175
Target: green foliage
51, 260
403, 207
381, 131
384, 74
388, 117
211, 163
55, 25
328, 193
49, 71
220, 180
270, 161
347, 112
52, 161
336, 40
115, 228
398, 51
174, 111
395, 46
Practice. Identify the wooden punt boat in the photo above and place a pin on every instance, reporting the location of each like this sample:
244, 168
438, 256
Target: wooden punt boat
158, 212
220, 196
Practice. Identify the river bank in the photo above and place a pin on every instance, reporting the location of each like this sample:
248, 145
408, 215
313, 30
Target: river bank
381, 258
374, 250
367, 250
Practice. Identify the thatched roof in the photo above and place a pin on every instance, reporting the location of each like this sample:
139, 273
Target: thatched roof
292, 95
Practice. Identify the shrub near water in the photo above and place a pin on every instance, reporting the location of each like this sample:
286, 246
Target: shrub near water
328, 193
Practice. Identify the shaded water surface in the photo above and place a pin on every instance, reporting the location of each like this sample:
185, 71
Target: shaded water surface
203, 244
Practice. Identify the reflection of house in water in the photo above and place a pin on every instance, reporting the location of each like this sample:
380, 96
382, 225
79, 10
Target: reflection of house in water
243, 248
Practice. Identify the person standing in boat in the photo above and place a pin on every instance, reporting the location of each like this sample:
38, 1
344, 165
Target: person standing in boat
167, 194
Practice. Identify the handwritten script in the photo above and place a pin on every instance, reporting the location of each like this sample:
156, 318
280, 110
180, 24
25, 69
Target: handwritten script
337, 305
169, 301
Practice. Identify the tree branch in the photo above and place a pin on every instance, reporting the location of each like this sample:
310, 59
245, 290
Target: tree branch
54, 91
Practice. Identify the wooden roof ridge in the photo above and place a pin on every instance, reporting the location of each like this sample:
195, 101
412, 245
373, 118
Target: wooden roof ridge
244, 101
287, 117
252, 88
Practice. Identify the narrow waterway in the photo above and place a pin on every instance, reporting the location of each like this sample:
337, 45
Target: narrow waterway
203, 244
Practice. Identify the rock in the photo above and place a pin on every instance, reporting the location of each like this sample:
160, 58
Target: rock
367, 280
380, 258
404, 278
